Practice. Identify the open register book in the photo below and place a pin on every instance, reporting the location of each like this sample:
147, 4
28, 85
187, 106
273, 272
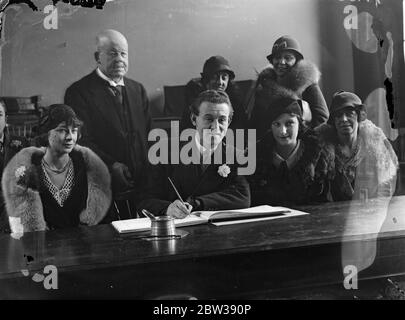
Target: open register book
217, 218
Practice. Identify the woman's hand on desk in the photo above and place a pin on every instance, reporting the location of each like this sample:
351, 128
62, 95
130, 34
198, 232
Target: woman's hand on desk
179, 210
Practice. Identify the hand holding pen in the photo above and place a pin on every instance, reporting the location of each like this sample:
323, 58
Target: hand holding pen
178, 209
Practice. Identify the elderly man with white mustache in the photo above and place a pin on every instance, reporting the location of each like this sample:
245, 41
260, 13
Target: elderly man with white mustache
115, 112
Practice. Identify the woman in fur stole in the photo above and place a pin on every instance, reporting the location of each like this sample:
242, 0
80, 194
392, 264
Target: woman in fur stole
364, 162
289, 73
58, 186
292, 168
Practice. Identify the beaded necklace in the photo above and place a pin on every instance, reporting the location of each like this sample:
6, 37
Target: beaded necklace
60, 195
54, 170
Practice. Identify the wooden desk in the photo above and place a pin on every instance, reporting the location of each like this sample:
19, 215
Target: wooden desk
268, 259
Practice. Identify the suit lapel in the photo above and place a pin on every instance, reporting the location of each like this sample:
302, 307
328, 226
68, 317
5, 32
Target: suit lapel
192, 180
209, 177
185, 178
208, 180
188, 176
105, 102
136, 111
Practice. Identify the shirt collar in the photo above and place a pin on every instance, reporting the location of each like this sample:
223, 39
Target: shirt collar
111, 82
292, 158
205, 152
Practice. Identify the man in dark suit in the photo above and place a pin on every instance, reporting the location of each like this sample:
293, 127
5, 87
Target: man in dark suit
9, 146
209, 182
115, 112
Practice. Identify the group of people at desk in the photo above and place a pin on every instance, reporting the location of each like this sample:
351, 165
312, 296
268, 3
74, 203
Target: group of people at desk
304, 154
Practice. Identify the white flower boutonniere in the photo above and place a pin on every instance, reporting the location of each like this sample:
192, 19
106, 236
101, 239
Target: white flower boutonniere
20, 172
15, 143
224, 170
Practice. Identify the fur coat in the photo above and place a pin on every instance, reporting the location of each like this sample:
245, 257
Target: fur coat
374, 169
301, 82
11, 145
23, 201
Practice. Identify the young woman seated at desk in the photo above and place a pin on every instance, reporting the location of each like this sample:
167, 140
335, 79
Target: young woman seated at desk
58, 185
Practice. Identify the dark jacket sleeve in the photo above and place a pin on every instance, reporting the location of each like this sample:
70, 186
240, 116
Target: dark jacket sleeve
154, 195
185, 121
148, 127
74, 98
240, 119
320, 112
234, 195
259, 113
146, 110
158, 195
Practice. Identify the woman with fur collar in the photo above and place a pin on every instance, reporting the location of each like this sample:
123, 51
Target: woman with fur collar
364, 164
58, 186
289, 73
292, 168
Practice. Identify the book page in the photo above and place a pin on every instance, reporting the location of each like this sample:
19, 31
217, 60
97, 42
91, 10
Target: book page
131, 225
291, 213
258, 211
143, 224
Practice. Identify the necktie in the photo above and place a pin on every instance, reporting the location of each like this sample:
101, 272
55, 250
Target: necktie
118, 93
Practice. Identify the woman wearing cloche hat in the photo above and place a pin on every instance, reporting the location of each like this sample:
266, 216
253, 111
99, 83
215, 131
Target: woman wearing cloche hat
289, 72
292, 168
217, 74
364, 162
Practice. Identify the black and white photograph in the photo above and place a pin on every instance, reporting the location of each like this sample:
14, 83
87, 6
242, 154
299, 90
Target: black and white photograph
224, 151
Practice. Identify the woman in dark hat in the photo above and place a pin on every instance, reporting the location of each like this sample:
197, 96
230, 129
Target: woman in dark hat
291, 168
364, 162
58, 185
289, 73
216, 75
